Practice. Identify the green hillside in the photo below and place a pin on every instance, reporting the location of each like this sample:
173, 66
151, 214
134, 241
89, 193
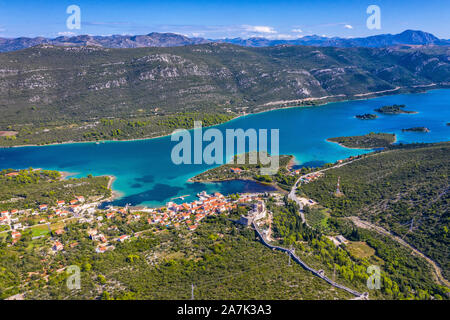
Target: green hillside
52, 94
405, 191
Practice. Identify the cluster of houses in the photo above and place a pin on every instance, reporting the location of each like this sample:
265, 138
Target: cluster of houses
187, 215
190, 214
103, 244
311, 177
175, 215
12, 174
10, 218
13, 218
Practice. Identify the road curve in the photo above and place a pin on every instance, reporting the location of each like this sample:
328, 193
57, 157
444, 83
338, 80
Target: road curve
292, 196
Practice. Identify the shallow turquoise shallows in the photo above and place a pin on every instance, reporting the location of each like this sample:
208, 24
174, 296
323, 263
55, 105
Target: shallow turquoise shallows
146, 175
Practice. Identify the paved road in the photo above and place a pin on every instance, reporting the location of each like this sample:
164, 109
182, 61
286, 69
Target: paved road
293, 196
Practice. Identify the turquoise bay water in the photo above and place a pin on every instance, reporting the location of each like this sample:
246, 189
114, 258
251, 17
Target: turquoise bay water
146, 175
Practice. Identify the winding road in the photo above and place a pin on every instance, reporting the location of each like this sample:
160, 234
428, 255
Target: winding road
292, 196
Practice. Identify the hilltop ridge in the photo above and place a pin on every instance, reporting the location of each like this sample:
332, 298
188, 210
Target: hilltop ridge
74, 89
157, 39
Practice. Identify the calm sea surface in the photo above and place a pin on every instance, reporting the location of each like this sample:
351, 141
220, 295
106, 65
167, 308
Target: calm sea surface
146, 175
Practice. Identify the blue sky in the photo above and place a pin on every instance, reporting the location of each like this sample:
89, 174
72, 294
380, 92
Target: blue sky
218, 19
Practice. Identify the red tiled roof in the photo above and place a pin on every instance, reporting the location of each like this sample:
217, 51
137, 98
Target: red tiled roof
12, 174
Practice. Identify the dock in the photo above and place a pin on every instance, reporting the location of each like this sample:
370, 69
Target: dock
180, 197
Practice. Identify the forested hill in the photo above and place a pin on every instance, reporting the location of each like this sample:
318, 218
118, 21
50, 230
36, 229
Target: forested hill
405, 191
47, 83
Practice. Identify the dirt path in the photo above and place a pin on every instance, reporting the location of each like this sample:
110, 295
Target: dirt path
437, 270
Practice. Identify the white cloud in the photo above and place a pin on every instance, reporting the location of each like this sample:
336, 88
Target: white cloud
259, 29
66, 34
348, 26
298, 30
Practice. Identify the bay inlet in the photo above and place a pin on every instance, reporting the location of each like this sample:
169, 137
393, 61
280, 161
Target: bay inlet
145, 174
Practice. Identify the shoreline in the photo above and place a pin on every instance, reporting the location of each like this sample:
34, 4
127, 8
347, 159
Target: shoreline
289, 166
357, 97
239, 179
291, 163
66, 174
114, 193
340, 144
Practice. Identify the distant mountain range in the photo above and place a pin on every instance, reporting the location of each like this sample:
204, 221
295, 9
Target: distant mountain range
155, 39
408, 37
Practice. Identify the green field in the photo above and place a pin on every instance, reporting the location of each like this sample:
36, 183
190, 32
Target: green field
360, 249
40, 231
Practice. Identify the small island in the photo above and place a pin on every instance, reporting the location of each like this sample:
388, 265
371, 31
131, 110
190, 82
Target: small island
394, 109
252, 172
416, 129
366, 116
368, 141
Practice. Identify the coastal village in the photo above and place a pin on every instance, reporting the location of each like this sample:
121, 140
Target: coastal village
104, 227
78, 210
51, 219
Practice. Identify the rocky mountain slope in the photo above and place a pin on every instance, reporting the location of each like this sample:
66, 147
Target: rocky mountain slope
47, 83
